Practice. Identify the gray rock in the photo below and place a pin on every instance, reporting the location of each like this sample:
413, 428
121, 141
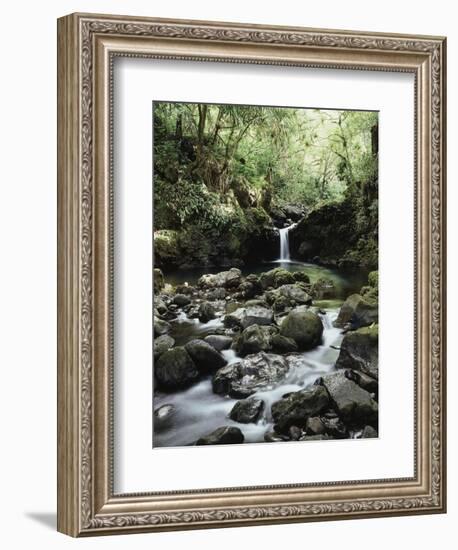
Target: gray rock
274, 437
295, 433
160, 306
369, 433
323, 289
162, 344
354, 405
314, 426
206, 358
358, 312
359, 351
297, 407
218, 341
225, 435
181, 300
247, 316
253, 339
206, 312
218, 293
257, 315
293, 293
227, 279
163, 417
335, 428
282, 344
366, 382
304, 327
160, 327
175, 370
275, 278
258, 372
247, 410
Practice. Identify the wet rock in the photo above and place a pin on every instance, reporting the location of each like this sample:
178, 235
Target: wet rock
274, 437
255, 373
219, 341
256, 302
206, 358
298, 407
216, 294
282, 344
366, 382
301, 277
227, 279
314, 426
369, 433
225, 435
160, 327
275, 278
294, 294
323, 289
163, 417
257, 315
281, 304
358, 312
359, 351
181, 300
206, 312
254, 339
175, 370
295, 433
335, 428
185, 288
247, 410
247, 316
354, 405
158, 278
304, 327
160, 306
162, 344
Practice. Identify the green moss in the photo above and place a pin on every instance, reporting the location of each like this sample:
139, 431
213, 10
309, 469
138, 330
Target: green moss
373, 278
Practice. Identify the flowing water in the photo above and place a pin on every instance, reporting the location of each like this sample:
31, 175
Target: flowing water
284, 243
198, 411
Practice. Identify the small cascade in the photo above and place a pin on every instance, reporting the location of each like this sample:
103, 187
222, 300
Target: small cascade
284, 243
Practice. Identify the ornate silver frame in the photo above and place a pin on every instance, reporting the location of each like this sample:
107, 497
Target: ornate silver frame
87, 44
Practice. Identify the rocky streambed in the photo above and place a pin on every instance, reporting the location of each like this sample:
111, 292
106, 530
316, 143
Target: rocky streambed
286, 354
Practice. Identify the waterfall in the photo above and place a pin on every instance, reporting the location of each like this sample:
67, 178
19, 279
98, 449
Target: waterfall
284, 243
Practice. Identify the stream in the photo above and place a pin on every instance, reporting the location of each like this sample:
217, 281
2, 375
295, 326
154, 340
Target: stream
198, 411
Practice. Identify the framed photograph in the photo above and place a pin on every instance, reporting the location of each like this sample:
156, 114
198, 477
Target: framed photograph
251, 290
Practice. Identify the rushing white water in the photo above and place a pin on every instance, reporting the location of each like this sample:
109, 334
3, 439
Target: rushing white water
284, 243
199, 411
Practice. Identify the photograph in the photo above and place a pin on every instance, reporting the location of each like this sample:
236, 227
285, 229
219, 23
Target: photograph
265, 247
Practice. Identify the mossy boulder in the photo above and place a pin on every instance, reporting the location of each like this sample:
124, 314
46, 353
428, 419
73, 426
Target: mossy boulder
247, 410
297, 407
359, 351
304, 327
276, 277
355, 406
358, 312
175, 370
226, 435
254, 339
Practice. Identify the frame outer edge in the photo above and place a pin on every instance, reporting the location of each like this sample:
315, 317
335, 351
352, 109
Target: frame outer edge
68, 277
76, 481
